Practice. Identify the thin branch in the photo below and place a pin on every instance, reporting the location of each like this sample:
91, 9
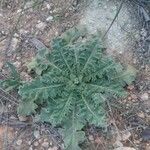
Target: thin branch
16, 101
120, 7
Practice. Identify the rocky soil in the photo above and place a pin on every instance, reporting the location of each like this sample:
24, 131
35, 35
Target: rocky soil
27, 26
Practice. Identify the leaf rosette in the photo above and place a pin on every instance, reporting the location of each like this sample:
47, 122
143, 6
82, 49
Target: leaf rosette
73, 83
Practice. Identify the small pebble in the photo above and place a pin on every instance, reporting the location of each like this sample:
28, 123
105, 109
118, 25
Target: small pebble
130, 87
48, 6
41, 25
13, 117
66, 14
45, 140
91, 138
145, 97
16, 35
29, 143
53, 148
9, 106
19, 142
125, 136
36, 143
19, 10
14, 44
50, 18
141, 115
134, 96
36, 134
129, 98
22, 31
30, 148
50, 143
22, 118
40, 140
45, 144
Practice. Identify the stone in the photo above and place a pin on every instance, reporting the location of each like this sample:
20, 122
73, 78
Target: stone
130, 87
41, 25
36, 143
19, 142
53, 148
141, 115
22, 31
125, 136
45, 140
22, 118
14, 44
133, 96
129, 98
29, 142
50, 18
13, 117
36, 134
66, 14
50, 143
30, 148
16, 35
91, 138
48, 6
19, 10
9, 106
45, 144
145, 96
40, 140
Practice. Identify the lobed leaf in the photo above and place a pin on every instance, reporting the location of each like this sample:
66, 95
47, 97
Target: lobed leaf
73, 83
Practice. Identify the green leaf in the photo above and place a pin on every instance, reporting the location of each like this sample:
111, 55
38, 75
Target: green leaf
13, 81
32, 65
27, 107
72, 134
114, 91
39, 89
129, 75
95, 114
13, 70
73, 34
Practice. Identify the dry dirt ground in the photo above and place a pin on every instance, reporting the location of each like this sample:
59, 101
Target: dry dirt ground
26, 26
